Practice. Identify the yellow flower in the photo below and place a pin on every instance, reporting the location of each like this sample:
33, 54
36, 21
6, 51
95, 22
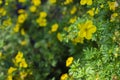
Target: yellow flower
91, 12
88, 2
1, 2
36, 2
78, 40
9, 77
52, 1
7, 22
113, 17
69, 61
43, 14
23, 32
72, 20
16, 28
2, 12
112, 5
73, 10
0, 54
22, 18
20, 11
23, 74
11, 70
87, 30
21, 1
18, 57
59, 37
42, 22
23, 64
54, 27
64, 76
24, 42
33, 8
68, 2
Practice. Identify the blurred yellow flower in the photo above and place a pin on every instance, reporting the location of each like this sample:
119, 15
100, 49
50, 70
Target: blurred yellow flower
16, 28
9, 77
36, 2
42, 22
73, 10
33, 8
78, 40
22, 18
7, 22
54, 27
23, 43
52, 1
88, 2
113, 17
11, 70
72, 20
18, 57
0, 54
112, 5
64, 76
87, 30
2, 12
23, 64
59, 37
69, 61
43, 14
68, 2
23, 74
91, 12
1, 2
20, 11
23, 32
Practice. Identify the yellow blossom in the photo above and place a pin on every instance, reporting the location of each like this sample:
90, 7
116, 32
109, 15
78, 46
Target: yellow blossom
72, 20
22, 18
73, 10
59, 37
112, 5
16, 28
64, 76
88, 2
11, 70
68, 2
101, 6
54, 27
1, 2
69, 61
52, 1
23, 32
42, 22
7, 22
9, 77
113, 17
20, 11
87, 30
23, 64
23, 74
2, 12
0, 54
43, 14
78, 40
33, 8
36, 2
91, 12
24, 42
18, 57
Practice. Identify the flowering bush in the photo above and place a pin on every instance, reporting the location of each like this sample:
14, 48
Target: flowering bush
59, 39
